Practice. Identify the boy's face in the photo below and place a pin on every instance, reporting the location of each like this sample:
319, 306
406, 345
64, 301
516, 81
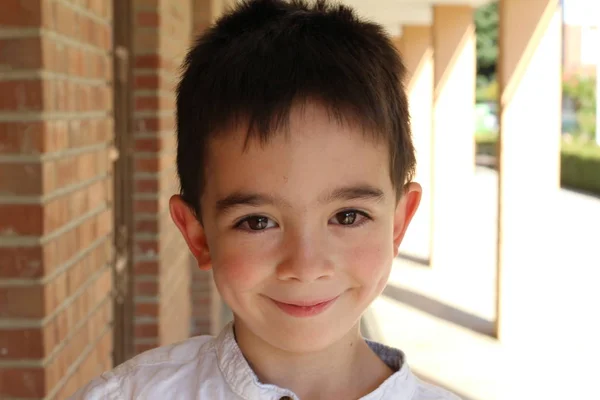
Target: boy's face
300, 232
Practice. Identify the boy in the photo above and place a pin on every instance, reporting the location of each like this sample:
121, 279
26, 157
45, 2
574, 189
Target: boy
295, 161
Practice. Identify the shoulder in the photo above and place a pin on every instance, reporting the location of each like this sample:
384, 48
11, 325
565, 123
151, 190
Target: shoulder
426, 391
141, 374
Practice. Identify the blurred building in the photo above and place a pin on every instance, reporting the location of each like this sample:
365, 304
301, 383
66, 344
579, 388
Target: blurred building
581, 50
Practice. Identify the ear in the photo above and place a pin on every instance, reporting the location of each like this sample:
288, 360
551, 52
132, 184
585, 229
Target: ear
405, 210
192, 231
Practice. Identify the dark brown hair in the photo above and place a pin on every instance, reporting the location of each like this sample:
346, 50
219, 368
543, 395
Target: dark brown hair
263, 57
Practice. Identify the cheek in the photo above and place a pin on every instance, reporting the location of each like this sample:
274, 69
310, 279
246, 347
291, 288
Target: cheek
241, 270
370, 258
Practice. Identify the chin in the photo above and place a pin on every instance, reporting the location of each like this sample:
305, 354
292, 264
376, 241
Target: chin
308, 336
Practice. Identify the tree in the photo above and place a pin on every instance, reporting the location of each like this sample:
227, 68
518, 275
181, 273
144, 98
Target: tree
486, 30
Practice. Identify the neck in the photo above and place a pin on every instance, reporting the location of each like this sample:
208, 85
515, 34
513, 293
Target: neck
347, 368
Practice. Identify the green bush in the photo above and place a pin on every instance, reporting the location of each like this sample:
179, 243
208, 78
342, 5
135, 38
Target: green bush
580, 162
580, 166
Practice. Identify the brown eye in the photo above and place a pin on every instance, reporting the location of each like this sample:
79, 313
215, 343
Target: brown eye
350, 218
257, 223
346, 217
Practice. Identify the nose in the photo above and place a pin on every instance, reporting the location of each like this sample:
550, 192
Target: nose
306, 259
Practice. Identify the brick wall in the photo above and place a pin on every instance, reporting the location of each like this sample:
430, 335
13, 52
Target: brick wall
55, 189
162, 35
571, 48
572, 52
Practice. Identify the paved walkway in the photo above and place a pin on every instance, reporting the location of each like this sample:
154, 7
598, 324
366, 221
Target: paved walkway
443, 321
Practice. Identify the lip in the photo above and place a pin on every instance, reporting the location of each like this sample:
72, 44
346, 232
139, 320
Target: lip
307, 308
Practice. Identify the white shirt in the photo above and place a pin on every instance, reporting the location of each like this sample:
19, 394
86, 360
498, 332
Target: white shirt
213, 368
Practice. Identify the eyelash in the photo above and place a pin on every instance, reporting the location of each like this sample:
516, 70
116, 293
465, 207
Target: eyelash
366, 218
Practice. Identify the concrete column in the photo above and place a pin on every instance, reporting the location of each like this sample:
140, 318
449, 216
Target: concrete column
547, 298
532, 292
529, 77
416, 48
453, 134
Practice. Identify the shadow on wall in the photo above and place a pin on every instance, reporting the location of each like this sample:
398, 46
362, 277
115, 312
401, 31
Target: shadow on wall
440, 310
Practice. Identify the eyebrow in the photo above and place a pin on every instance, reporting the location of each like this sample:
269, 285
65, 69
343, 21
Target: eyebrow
252, 199
357, 192
238, 199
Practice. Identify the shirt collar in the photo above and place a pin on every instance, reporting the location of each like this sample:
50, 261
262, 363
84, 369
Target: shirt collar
238, 374
244, 382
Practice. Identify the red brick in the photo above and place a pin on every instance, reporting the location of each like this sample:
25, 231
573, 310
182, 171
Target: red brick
146, 289
21, 344
99, 67
146, 309
147, 103
146, 185
55, 293
20, 53
148, 61
104, 68
146, 268
21, 178
201, 328
82, 95
146, 226
146, 330
202, 298
151, 125
99, 7
101, 97
57, 329
75, 61
22, 137
147, 164
56, 214
146, 125
66, 171
21, 95
146, 206
105, 36
20, 13
61, 95
147, 82
77, 29
21, 219
22, 382
21, 302
21, 262
142, 347
146, 18
50, 54
63, 15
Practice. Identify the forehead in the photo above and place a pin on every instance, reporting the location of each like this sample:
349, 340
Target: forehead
313, 153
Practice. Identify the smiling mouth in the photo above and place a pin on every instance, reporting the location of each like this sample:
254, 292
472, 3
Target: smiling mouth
305, 308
